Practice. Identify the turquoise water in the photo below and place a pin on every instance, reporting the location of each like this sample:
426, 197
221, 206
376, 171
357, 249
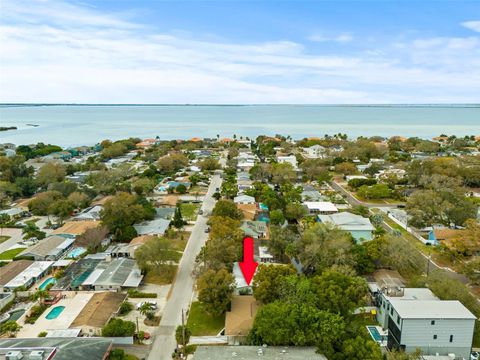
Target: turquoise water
77, 125
47, 282
374, 333
75, 253
53, 314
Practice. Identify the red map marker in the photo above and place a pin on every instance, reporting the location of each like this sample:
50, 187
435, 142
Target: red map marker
248, 265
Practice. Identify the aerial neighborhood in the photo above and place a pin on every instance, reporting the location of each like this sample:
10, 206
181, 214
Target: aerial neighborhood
365, 248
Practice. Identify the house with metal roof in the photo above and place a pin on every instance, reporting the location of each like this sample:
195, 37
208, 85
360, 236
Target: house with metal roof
116, 275
50, 248
56, 348
256, 352
152, 227
255, 229
359, 227
29, 275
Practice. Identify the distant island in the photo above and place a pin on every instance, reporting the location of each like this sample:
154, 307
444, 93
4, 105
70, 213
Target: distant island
6, 128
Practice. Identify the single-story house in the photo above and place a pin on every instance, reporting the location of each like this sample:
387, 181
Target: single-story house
241, 286
50, 248
255, 229
359, 227
58, 348
244, 199
98, 312
165, 213
14, 212
127, 250
264, 255
440, 234
115, 275
257, 352
320, 207
152, 227
11, 270
29, 275
75, 228
91, 213
311, 195
239, 320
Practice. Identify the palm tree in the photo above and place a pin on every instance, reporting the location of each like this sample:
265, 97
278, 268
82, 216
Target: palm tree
146, 310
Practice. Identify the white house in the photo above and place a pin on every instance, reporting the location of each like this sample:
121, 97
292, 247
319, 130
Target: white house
433, 326
291, 159
315, 152
320, 207
244, 199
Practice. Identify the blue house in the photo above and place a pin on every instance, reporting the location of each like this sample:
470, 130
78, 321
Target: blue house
359, 227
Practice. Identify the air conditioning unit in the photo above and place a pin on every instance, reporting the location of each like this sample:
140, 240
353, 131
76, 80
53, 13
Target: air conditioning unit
36, 355
14, 355
452, 356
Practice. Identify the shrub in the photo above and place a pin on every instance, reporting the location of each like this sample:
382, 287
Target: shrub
132, 293
118, 327
42, 334
125, 308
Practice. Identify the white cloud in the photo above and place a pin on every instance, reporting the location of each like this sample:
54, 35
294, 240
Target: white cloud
342, 38
472, 25
59, 52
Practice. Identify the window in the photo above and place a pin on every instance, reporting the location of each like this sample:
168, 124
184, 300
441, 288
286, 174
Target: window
398, 319
432, 322
434, 337
391, 310
451, 338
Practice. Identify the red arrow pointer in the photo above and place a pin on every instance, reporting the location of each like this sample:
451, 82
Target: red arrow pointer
248, 265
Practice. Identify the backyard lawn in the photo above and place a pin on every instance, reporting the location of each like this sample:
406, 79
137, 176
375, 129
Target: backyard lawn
10, 254
189, 211
201, 323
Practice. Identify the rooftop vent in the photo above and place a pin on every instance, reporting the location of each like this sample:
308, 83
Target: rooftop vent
36, 355
14, 355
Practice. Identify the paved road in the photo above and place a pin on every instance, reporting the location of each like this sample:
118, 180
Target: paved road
352, 200
429, 264
182, 292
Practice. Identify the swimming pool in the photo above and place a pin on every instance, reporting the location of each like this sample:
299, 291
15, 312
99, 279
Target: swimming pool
53, 314
76, 252
375, 334
50, 280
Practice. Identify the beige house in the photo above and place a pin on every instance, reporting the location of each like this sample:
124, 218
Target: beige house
98, 312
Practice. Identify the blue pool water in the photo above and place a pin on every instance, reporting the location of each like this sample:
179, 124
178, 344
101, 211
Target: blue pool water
47, 282
374, 333
53, 314
75, 253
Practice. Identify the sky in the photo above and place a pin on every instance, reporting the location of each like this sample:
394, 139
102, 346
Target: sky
239, 52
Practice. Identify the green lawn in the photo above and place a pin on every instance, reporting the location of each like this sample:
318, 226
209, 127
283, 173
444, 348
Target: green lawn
189, 211
10, 254
201, 323
4, 238
161, 276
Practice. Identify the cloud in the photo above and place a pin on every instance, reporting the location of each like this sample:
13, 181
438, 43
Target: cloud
472, 25
53, 51
342, 38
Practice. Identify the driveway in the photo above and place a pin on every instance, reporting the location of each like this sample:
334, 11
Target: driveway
181, 295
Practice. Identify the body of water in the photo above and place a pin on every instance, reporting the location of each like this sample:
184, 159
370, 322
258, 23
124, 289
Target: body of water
73, 125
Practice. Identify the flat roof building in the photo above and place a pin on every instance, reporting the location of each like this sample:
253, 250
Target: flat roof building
256, 352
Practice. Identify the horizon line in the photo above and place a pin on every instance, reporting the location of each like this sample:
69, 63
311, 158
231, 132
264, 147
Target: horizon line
232, 104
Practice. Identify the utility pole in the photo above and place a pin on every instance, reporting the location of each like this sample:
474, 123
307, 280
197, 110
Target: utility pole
183, 330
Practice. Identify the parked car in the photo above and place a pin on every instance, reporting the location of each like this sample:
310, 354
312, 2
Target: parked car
207, 229
140, 304
200, 212
475, 355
